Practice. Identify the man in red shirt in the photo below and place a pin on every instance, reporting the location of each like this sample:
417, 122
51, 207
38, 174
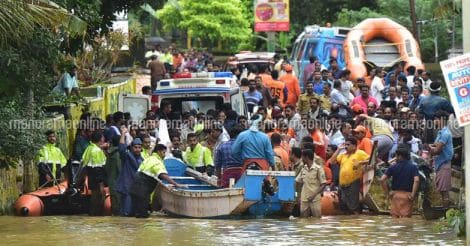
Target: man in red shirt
364, 99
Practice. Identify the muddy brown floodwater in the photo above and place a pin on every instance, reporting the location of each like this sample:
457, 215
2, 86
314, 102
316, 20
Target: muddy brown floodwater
161, 230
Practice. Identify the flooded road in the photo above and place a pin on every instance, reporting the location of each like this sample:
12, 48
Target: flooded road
160, 230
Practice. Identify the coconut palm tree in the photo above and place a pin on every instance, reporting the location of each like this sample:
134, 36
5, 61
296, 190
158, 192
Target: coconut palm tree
18, 18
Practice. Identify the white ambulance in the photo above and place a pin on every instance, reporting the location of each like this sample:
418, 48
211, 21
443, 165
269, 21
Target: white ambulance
199, 91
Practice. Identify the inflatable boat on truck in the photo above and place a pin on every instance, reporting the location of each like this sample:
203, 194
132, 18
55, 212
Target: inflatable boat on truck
379, 42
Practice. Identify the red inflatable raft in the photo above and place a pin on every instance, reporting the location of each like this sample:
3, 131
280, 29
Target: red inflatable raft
57, 200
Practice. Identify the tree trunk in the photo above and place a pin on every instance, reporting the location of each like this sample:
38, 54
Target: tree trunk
413, 20
8, 190
30, 177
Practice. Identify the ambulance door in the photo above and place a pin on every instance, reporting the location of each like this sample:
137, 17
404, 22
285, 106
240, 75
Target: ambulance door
238, 102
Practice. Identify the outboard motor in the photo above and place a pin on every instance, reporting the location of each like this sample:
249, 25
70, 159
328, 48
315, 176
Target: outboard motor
74, 170
267, 188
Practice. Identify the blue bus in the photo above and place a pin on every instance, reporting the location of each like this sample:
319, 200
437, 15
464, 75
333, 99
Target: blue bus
320, 42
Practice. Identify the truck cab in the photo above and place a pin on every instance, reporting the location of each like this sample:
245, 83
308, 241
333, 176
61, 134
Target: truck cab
200, 91
320, 42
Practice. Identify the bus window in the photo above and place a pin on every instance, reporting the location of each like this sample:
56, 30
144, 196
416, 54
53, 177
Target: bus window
310, 51
295, 49
301, 50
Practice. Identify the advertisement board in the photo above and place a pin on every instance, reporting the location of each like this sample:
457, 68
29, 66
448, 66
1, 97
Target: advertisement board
271, 15
456, 72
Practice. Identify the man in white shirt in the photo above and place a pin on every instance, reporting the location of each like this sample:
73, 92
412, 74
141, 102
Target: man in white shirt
377, 86
411, 71
346, 86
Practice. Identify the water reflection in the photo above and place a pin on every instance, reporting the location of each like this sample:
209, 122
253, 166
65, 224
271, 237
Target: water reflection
160, 230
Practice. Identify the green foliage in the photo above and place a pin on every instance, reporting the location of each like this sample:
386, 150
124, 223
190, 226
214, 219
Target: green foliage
349, 18
26, 80
99, 14
94, 64
208, 20
19, 19
309, 12
456, 221
22, 132
436, 13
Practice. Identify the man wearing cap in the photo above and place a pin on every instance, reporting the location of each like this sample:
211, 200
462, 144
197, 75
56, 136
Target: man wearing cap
254, 146
146, 179
405, 181
364, 99
430, 105
363, 143
50, 161
292, 84
131, 159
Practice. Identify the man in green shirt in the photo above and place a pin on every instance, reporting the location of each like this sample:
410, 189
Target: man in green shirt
50, 161
150, 171
94, 161
197, 156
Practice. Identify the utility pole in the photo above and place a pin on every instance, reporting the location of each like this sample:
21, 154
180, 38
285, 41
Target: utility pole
413, 20
466, 48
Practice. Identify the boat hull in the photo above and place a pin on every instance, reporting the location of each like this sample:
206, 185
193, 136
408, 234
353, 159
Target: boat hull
198, 203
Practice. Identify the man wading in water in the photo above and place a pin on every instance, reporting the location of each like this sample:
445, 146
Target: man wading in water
405, 181
145, 181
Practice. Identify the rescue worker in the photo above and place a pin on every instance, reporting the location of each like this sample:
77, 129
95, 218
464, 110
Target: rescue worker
150, 171
278, 88
131, 158
94, 160
197, 156
50, 161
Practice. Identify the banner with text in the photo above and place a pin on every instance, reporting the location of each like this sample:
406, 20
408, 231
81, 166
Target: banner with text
271, 15
456, 73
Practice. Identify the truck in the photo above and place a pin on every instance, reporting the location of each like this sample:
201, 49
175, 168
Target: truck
323, 43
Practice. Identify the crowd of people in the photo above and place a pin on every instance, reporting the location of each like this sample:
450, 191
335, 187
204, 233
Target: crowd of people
325, 135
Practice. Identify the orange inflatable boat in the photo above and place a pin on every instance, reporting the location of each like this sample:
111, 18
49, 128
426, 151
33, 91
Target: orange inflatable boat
379, 29
57, 200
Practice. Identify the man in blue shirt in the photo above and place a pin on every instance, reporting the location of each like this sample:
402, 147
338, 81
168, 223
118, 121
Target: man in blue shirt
431, 104
131, 158
223, 157
253, 146
252, 97
442, 151
317, 82
405, 182
68, 83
